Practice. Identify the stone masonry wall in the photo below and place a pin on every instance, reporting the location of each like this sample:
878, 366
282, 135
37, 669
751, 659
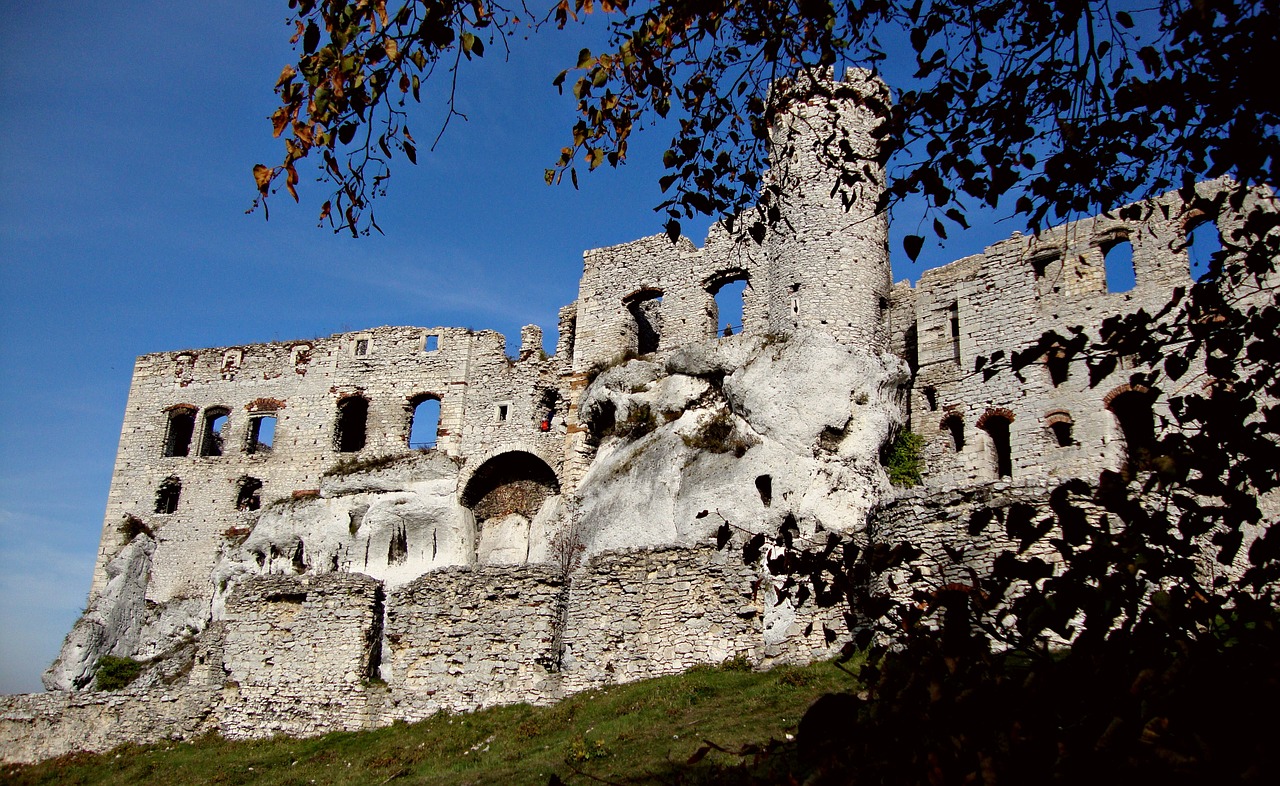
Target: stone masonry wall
299, 653
301, 384
938, 522
1003, 300
463, 638
828, 262
639, 614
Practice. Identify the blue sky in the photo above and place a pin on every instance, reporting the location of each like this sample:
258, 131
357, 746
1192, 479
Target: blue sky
126, 146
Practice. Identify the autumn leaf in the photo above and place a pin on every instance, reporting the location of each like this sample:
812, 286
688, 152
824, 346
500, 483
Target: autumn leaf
262, 175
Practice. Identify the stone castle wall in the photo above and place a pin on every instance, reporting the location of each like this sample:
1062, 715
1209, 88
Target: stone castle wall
488, 403
346, 598
967, 317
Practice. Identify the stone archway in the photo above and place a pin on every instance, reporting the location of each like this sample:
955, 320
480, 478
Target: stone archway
505, 494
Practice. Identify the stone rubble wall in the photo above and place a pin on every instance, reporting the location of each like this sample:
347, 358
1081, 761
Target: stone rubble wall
299, 653
463, 638
642, 614
178, 706
307, 655
938, 522
37, 726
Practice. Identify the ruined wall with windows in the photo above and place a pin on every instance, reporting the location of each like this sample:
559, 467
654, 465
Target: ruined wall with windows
211, 436
381, 524
1063, 414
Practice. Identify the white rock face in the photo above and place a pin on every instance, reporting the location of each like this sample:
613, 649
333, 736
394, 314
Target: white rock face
393, 523
504, 541
807, 416
112, 625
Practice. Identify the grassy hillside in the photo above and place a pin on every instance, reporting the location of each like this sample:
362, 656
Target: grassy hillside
639, 733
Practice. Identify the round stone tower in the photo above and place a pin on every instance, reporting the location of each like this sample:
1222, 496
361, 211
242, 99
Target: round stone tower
828, 256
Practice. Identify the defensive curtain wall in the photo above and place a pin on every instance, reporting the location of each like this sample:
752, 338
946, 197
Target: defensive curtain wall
283, 559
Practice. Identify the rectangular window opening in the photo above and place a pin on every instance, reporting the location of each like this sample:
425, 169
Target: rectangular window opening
954, 311
262, 434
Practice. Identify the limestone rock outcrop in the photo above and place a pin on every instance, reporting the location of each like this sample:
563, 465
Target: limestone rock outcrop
751, 429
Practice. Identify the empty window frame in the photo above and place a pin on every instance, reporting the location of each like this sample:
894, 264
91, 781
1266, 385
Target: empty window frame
953, 425
930, 397
431, 342
248, 493
1060, 427
262, 434
996, 423
167, 496
1131, 406
361, 348
211, 433
1058, 363
953, 315
502, 411
728, 295
1117, 261
1204, 242
179, 430
645, 308
1040, 265
911, 348
424, 421
352, 426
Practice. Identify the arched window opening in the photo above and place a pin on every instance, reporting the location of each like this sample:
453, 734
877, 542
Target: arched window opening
953, 424
1131, 406
1060, 425
353, 416
996, 423
424, 422
1204, 242
167, 495
262, 434
215, 424
248, 493
1117, 261
181, 427
510, 483
646, 309
727, 298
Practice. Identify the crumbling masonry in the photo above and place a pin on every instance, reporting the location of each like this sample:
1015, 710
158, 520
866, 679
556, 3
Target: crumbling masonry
290, 552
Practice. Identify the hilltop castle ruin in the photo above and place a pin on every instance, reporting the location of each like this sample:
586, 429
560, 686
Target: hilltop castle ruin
285, 559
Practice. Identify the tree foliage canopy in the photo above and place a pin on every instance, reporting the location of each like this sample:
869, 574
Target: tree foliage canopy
1120, 652
1049, 108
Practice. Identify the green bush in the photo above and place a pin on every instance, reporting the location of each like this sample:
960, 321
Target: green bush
902, 459
114, 673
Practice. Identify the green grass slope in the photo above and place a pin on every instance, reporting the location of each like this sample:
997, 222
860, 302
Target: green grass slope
640, 733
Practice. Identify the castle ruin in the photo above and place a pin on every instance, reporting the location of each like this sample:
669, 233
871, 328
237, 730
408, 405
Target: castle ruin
288, 550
